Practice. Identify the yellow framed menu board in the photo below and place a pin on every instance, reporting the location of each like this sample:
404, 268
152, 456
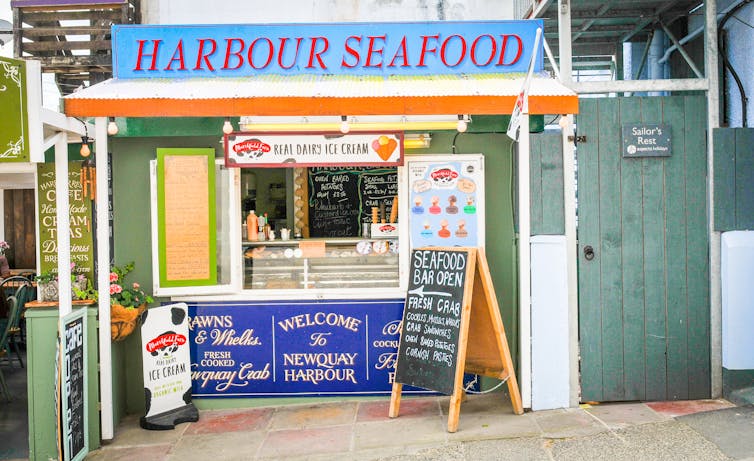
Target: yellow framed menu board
186, 216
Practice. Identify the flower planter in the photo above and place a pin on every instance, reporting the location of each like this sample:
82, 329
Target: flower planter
48, 291
123, 320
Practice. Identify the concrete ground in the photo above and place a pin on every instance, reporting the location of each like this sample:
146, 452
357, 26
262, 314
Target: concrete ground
488, 430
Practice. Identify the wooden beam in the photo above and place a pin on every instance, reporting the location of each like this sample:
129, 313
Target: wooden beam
31, 47
41, 31
47, 16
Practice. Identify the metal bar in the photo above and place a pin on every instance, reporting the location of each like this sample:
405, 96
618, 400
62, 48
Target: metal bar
698, 31
673, 84
564, 42
644, 56
550, 58
587, 24
539, 9
681, 50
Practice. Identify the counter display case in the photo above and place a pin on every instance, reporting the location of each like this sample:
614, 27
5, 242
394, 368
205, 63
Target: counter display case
321, 263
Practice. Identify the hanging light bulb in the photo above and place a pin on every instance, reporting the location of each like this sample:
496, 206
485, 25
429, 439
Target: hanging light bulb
462, 125
563, 122
112, 128
344, 126
227, 127
85, 151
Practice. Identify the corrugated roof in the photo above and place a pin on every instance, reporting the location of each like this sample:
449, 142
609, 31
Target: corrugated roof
318, 95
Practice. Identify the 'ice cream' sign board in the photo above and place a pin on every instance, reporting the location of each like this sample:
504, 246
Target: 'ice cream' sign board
167, 370
280, 150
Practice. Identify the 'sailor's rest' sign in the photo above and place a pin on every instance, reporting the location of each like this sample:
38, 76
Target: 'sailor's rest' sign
424, 48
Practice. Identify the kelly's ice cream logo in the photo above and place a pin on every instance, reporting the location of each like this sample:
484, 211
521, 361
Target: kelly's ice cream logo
252, 148
443, 177
165, 344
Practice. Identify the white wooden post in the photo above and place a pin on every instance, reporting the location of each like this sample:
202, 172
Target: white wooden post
524, 257
63, 227
103, 279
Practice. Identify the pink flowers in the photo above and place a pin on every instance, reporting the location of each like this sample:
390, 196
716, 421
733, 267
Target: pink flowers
115, 289
113, 277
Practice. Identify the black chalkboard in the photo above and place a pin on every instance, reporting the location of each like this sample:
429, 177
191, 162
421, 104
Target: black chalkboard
341, 198
73, 387
429, 345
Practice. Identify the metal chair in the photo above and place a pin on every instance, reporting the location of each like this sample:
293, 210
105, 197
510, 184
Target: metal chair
11, 334
4, 387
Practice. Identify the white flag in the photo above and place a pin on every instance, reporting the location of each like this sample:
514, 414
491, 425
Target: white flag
523, 95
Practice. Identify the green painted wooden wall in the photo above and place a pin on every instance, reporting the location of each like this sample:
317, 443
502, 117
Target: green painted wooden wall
734, 179
644, 298
131, 156
546, 184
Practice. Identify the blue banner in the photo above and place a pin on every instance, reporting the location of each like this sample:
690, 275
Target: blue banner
421, 48
335, 347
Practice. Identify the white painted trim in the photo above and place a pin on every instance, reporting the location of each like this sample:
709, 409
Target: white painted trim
33, 108
234, 234
524, 258
564, 44
69, 125
103, 279
569, 194
713, 121
63, 227
52, 140
293, 295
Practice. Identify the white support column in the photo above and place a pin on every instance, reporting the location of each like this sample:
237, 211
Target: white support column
564, 42
63, 227
524, 258
103, 279
713, 121
569, 194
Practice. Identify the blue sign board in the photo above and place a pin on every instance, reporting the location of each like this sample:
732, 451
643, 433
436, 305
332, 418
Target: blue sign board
334, 347
421, 48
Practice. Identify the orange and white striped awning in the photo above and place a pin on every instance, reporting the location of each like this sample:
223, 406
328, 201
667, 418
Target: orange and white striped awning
274, 95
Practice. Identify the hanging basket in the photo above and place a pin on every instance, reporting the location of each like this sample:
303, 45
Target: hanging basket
123, 320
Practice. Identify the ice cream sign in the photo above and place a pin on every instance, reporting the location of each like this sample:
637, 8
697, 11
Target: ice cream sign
275, 150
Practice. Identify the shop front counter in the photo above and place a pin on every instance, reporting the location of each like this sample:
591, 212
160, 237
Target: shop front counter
42, 331
321, 263
294, 347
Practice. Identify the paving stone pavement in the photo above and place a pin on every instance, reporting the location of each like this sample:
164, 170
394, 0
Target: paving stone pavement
488, 430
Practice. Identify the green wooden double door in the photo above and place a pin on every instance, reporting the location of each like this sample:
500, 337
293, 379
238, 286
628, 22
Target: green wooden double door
644, 309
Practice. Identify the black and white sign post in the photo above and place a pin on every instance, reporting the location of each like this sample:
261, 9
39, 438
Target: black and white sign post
167, 367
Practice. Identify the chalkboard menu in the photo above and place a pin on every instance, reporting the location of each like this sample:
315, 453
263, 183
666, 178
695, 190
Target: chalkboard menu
73, 386
341, 198
428, 351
